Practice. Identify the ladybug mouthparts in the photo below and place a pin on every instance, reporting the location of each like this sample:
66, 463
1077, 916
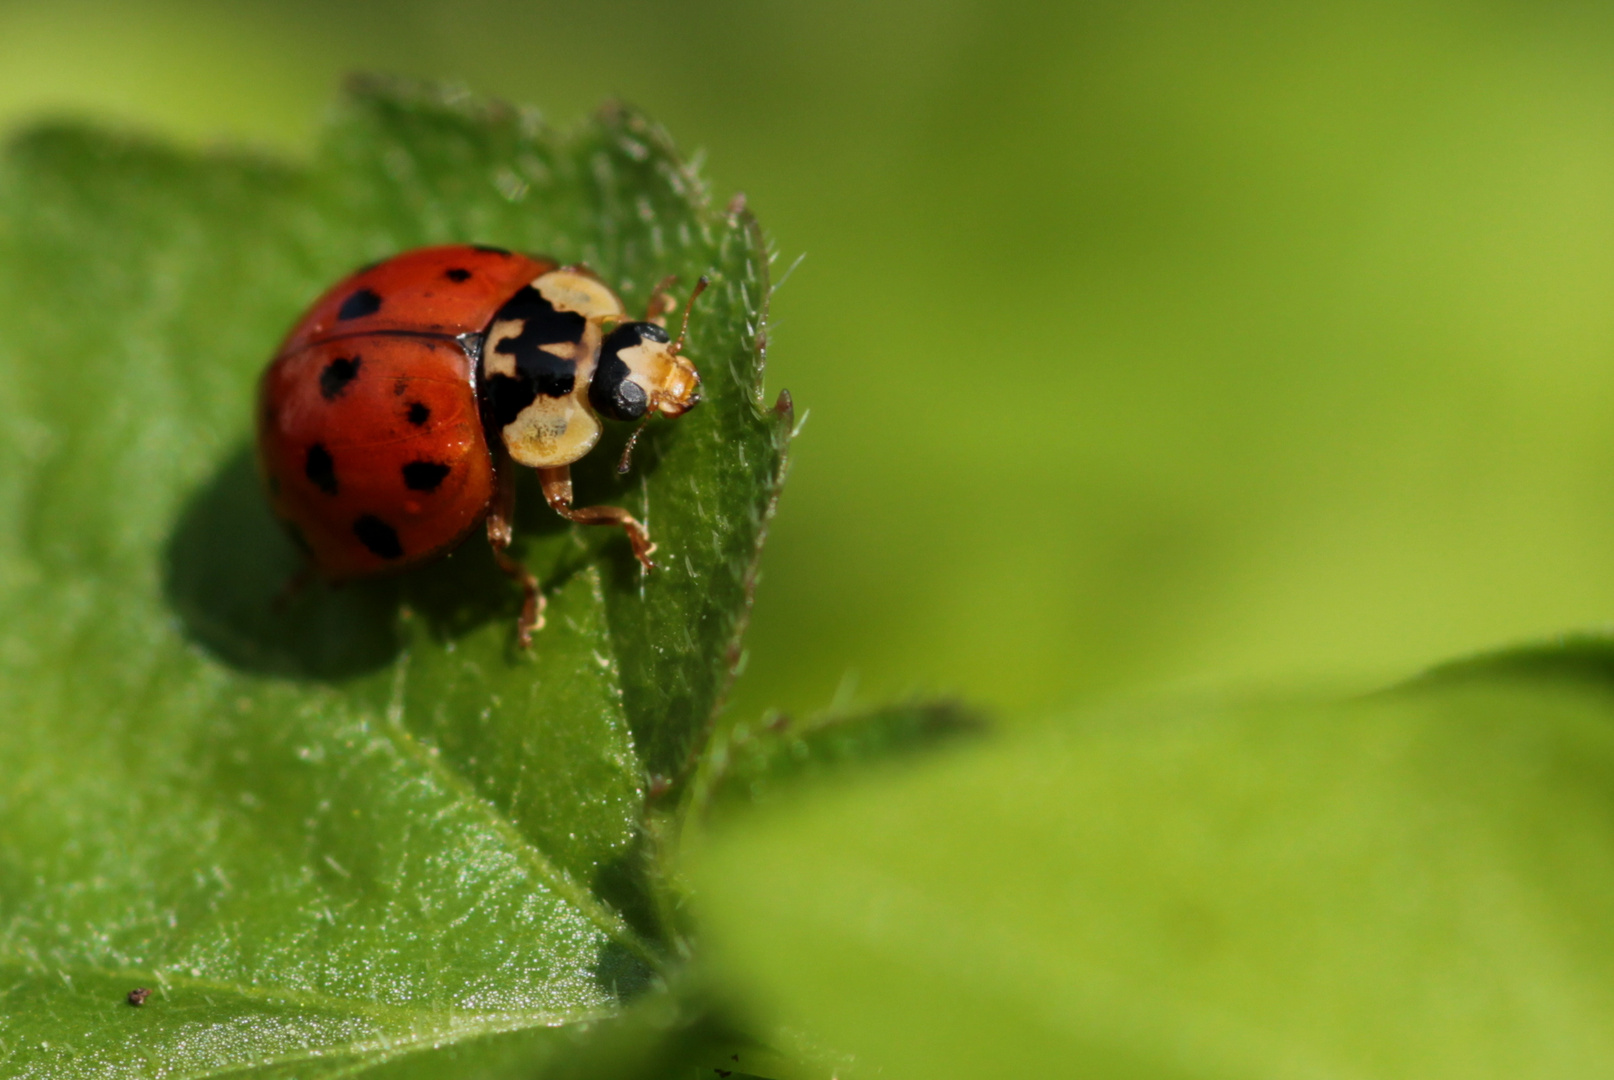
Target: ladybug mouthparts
682, 390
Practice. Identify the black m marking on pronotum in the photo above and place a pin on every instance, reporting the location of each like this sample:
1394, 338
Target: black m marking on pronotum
542, 371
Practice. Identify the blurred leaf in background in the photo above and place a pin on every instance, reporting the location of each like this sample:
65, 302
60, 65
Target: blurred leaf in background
1143, 343
1415, 885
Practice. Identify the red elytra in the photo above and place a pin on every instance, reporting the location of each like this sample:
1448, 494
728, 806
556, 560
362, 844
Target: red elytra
446, 291
385, 436
334, 461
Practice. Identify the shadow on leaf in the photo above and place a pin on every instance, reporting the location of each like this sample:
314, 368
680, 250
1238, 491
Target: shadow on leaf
228, 563
226, 569
1584, 659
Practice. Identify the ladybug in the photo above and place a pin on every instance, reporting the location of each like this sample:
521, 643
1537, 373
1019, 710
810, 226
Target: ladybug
392, 417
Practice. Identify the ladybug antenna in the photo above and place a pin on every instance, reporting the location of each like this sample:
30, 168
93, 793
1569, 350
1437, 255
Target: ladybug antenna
633, 440
661, 302
674, 349
683, 331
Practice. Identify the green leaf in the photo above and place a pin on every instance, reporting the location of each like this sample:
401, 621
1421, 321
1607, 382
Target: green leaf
1413, 885
361, 822
750, 765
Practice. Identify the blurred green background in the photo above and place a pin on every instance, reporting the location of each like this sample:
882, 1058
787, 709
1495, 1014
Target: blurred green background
1145, 344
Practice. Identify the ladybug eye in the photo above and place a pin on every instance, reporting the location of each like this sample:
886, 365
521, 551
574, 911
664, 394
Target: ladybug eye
613, 391
630, 400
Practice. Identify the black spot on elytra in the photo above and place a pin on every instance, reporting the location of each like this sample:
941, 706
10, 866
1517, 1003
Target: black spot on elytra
491, 250
378, 536
320, 469
457, 273
362, 303
424, 475
419, 413
337, 374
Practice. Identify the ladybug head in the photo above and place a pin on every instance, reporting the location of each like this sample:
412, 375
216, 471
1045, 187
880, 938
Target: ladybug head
641, 369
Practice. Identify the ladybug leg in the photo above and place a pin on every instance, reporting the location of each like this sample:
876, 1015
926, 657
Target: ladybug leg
501, 516
557, 484
661, 303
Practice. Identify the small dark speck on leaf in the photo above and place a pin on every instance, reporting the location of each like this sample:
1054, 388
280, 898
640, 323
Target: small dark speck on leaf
138, 995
